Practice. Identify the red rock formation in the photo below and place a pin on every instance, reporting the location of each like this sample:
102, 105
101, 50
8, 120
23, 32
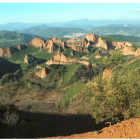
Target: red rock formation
37, 42
128, 51
79, 49
84, 62
73, 40
60, 59
102, 43
92, 37
86, 50
55, 40
119, 45
51, 46
42, 73
137, 53
7, 52
26, 59
84, 43
21, 47
63, 45
1, 52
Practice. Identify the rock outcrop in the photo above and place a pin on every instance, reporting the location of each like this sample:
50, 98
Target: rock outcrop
119, 45
89, 66
98, 56
84, 43
60, 59
21, 47
102, 43
42, 73
55, 40
7, 52
137, 53
92, 37
84, 62
63, 45
51, 46
128, 51
107, 73
73, 40
37, 42
79, 49
26, 59
32, 61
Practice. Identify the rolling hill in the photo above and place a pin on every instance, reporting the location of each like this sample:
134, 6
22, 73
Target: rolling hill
10, 38
45, 31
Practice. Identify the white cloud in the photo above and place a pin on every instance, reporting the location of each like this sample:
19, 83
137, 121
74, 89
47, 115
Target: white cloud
137, 10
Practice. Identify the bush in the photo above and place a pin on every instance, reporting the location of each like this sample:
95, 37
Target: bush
84, 74
10, 119
118, 97
114, 59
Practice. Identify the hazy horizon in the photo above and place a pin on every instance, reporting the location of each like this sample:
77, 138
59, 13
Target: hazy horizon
63, 12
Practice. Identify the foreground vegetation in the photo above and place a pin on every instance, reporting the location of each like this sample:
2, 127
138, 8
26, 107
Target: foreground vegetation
67, 89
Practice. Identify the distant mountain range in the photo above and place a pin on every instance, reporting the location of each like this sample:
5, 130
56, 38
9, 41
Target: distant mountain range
45, 31
81, 23
11, 26
76, 28
117, 30
89, 24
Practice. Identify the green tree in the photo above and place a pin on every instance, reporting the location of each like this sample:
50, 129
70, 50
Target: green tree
118, 97
114, 59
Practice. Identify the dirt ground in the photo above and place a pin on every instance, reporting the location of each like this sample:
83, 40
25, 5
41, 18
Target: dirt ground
127, 129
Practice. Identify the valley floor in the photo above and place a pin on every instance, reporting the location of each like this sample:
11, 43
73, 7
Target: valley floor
127, 129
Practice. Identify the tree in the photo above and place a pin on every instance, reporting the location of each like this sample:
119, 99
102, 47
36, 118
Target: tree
114, 59
118, 97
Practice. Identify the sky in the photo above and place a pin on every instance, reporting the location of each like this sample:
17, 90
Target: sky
62, 12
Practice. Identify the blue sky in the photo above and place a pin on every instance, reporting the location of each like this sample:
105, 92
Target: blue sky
56, 12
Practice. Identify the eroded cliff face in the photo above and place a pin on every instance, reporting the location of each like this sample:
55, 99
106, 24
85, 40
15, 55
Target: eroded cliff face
1, 52
137, 53
92, 37
119, 45
55, 40
37, 42
102, 43
84, 62
26, 59
128, 51
42, 73
79, 49
21, 47
63, 45
60, 59
73, 40
107, 73
51, 46
7, 52
84, 43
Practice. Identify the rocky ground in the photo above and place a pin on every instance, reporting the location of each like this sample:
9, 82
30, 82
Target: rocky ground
127, 129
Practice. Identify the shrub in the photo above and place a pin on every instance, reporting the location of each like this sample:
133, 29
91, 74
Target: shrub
84, 74
114, 59
118, 97
10, 119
